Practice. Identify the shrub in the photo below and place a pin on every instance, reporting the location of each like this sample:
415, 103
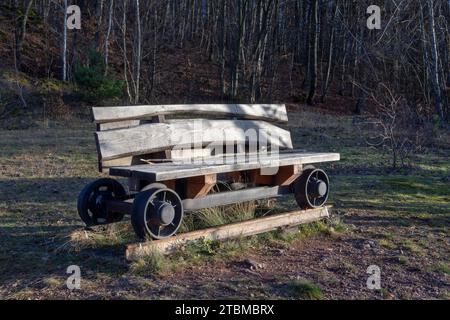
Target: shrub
398, 128
92, 83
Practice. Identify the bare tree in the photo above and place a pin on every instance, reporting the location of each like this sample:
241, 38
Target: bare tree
20, 32
314, 35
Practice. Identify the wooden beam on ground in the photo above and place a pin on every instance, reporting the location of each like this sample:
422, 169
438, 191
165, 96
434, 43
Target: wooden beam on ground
197, 187
229, 231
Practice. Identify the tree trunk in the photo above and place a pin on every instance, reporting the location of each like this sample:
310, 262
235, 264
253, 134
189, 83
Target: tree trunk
20, 31
435, 62
108, 33
330, 56
313, 49
64, 53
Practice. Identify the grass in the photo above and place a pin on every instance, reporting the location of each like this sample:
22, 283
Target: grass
403, 260
443, 267
153, 263
216, 216
304, 289
412, 247
385, 243
42, 170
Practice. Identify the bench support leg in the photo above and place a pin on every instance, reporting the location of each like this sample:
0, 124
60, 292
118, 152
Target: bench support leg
197, 187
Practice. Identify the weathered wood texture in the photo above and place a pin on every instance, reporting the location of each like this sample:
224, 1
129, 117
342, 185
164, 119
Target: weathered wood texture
266, 112
197, 187
118, 125
178, 155
154, 137
168, 171
234, 230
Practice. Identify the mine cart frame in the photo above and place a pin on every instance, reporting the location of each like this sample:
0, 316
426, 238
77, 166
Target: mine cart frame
174, 167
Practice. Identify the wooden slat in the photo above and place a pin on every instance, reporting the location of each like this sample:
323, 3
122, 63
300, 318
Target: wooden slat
229, 231
167, 171
117, 125
180, 155
266, 112
154, 137
183, 154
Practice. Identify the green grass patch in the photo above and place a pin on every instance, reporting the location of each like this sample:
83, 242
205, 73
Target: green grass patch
216, 216
304, 289
153, 263
443, 268
412, 247
385, 243
403, 260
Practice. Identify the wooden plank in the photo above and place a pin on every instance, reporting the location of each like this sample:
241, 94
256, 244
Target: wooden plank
180, 156
165, 154
229, 231
188, 153
197, 187
166, 171
154, 137
266, 112
117, 125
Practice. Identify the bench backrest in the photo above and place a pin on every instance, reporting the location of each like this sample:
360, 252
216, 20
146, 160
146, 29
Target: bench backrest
126, 135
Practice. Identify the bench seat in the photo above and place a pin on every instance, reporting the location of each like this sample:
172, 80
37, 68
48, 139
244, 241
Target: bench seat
203, 166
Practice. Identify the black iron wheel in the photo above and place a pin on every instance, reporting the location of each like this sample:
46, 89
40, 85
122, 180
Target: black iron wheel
312, 188
157, 213
154, 185
92, 201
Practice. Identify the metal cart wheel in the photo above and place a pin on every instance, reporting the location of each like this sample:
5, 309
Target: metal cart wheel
312, 188
154, 185
157, 213
91, 203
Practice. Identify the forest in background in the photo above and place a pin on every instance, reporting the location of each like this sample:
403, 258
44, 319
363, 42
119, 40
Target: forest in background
129, 52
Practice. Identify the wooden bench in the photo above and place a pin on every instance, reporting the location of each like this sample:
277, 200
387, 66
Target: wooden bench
175, 163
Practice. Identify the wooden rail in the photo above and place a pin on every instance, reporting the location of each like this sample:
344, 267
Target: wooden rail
234, 230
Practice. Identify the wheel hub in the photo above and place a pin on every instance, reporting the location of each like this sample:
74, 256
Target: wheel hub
165, 213
319, 188
312, 188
